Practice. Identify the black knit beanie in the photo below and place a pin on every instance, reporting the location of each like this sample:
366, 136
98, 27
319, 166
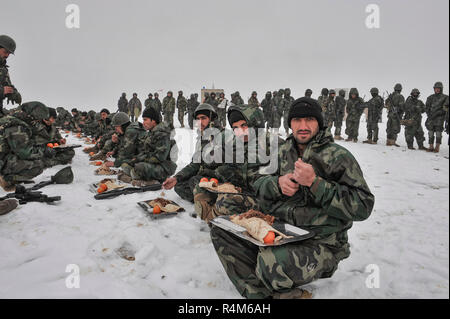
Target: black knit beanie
152, 114
306, 107
235, 116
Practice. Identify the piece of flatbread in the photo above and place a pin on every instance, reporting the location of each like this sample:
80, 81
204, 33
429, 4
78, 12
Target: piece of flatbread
222, 188
257, 228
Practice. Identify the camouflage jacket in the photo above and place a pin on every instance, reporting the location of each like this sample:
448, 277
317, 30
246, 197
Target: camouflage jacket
413, 110
155, 147
323, 102
287, 103
330, 113
127, 148
267, 106
192, 105
394, 104
156, 104
4, 81
436, 105
375, 107
16, 141
148, 102
354, 108
181, 104
43, 134
340, 103
253, 101
133, 105
338, 196
122, 105
168, 105
278, 104
237, 100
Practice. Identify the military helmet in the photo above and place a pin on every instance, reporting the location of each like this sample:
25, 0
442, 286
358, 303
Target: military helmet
438, 85
332, 92
192, 96
180, 92
268, 93
308, 91
150, 95
398, 87
342, 92
415, 92
324, 91
374, 91
156, 94
287, 91
120, 119
206, 109
36, 110
7, 43
170, 92
254, 93
52, 112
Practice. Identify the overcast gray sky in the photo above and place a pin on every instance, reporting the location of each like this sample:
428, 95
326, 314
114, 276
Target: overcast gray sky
144, 46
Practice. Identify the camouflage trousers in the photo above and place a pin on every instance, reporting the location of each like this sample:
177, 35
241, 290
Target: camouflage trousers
435, 131
414, 131
61, 158
16, 170
392, 128
209, 205
372, 131
168, 118
191, 119
285, 121
185, 189
146, 171
260, 272
276, 120
181, 116
222, 115
352, 128
338, 127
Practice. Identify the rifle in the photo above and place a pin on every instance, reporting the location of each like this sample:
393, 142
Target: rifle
392, 106
66, 147
25, 195
129, 190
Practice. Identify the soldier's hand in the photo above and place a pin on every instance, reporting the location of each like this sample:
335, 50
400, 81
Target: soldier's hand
304, 173
287, 185
109, 154
7, 90
169, 183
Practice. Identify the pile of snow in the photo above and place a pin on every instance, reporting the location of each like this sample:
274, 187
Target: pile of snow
405, 241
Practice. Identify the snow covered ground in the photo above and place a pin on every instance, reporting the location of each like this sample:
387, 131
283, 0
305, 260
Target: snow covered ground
405, 241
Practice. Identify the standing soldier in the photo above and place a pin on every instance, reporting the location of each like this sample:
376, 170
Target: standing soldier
394, 104
156, 103
7, 90
278, 109
148, 102
181, 106
134, 108
222, 110
323, 100
354, 110
375, 107
436, 107
413, 120
123, 103
308, 93
287, 103
253, 100
330, 115
236, 99
267, 106
339, 104
168, 107
192, 104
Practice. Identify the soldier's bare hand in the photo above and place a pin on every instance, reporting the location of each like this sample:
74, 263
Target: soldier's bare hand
169, 183
304, 173
109, 154
288, 187
7, 90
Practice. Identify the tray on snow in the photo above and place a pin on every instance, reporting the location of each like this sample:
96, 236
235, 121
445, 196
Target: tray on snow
94, 186
148, 209
298, 234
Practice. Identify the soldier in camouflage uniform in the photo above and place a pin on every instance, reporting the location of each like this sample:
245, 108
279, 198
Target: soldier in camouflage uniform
394, 104
44, 132
148, 102
339, 106
278, 109
267, 107
436, 106
134, 108
75, 120
152, 163
319, 187
330, 114
236, 99
253, 100
192, 105
188, 178
323, 100
20, 159
308, 93
375, 106
355, 108
168, 109
7, 90
156, 103
240, 173
412, 120
181, 107
122, 105
222, 108
287, 103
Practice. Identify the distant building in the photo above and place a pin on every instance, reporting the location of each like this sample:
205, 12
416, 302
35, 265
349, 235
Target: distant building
209, 91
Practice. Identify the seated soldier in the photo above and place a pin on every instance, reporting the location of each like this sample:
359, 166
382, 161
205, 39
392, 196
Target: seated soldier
319, 187
189, 177
152, 163
242, 170
45, 132
102, 136
20, 159
125, 141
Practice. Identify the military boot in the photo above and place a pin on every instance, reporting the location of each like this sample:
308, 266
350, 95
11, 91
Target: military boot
98, 157
296, 293
436, 149
355, 140
395, 144
431, 148
421, 147
7, 186
7, 206
368, 141
411, 147
338, 138
348, 139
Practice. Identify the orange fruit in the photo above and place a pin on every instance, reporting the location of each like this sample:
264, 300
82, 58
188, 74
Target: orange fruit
91, 154
270, 237
55, 145
214, 180
98, 163
102, 188
50, 145
204, 179
156, 209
